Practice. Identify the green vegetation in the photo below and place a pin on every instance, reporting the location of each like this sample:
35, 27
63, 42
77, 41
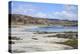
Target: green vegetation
39, 25
17, 19
72, 42
70, 35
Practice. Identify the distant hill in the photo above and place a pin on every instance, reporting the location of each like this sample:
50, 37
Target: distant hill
23, 19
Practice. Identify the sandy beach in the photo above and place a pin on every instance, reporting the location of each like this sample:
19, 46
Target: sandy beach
31, 42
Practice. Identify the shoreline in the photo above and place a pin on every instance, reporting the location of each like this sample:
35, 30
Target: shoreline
37, 42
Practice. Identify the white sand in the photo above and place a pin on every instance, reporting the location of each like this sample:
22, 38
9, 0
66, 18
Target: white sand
42, 43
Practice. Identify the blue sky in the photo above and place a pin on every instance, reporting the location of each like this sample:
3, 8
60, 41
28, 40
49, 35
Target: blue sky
45, 10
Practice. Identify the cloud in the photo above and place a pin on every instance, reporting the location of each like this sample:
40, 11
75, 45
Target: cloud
23, 9
72, 9
69, 12
40, 14
65, 15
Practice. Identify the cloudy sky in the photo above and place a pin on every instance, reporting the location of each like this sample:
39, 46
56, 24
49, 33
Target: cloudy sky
45, 10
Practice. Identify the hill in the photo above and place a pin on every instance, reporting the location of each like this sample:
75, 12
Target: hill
23, 19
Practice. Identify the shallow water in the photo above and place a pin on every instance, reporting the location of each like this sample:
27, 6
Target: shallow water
54, 29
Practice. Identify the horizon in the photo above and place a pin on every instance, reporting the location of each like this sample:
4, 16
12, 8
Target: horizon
45, 10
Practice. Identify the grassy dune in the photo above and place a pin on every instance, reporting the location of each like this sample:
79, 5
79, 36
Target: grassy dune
72, 42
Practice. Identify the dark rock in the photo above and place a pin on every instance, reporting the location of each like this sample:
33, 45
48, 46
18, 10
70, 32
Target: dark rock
35, 38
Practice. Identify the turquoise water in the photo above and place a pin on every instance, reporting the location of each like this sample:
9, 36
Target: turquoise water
54, 29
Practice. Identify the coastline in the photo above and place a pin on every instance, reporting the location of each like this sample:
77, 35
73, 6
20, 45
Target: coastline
33, 40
